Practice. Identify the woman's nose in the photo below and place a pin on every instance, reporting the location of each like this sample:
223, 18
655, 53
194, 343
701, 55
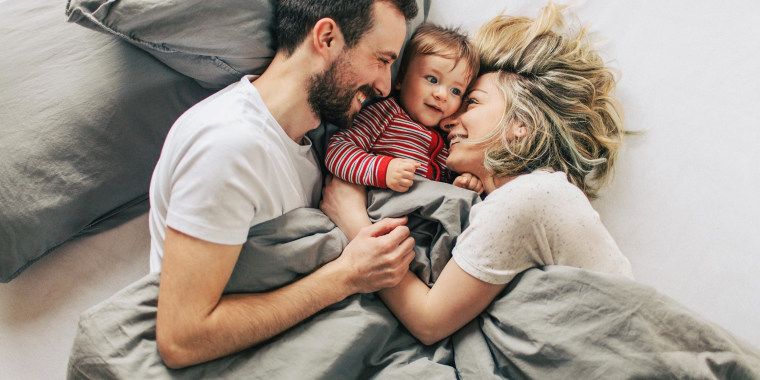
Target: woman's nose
449, 123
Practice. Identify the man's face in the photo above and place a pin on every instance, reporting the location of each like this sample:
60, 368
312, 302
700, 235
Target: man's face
362, 71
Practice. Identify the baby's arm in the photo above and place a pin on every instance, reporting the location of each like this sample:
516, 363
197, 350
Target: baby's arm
349, 154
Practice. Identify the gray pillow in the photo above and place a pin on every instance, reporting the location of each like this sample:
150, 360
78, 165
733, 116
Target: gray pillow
214, 42
83, 117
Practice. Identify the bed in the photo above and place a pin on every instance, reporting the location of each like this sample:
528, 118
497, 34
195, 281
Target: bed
85, 105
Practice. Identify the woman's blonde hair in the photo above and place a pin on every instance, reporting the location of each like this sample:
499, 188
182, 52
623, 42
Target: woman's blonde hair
558, 87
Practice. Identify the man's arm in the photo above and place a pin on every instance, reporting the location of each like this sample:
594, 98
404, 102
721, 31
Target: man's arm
196, 323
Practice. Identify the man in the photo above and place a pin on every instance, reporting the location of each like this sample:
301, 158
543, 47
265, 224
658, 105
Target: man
241, 157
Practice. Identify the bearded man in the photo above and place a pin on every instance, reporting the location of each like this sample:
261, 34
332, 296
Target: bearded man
241, 157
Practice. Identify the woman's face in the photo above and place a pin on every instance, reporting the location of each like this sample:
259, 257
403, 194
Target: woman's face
482, 111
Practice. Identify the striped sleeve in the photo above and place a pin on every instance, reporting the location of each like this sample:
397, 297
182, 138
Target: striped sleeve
349, 154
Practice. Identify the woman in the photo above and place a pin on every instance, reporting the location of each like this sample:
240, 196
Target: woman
541, 131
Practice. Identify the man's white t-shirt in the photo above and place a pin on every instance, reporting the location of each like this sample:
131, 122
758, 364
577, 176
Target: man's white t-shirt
227, 165
536, 219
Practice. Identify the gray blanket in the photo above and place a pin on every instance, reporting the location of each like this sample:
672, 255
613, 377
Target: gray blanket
553, 322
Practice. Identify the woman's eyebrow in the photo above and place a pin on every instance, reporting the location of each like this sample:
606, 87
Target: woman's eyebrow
476, 89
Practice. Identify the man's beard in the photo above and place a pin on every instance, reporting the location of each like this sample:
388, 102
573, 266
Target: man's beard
331, 99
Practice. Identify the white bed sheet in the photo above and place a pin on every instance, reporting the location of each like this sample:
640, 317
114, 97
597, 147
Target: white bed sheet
683, 207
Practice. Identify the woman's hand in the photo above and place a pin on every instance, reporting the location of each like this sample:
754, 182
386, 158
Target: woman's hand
469, 182
346, 205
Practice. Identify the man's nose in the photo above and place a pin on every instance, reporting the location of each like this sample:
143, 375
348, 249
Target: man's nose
383, 83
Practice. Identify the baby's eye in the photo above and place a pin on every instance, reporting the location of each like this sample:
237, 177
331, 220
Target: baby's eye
431, 79
456, 91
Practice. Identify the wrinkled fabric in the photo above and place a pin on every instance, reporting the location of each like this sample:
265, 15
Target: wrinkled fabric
355, 338
550, 323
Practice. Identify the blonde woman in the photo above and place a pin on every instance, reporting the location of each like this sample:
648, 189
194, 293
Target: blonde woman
540, 129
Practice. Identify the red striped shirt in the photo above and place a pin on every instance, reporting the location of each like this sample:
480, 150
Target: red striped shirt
383, 131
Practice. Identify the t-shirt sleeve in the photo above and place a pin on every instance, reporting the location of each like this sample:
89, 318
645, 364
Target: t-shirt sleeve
502, 240
214, 188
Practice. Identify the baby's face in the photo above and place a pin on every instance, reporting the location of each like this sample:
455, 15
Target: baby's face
432, 88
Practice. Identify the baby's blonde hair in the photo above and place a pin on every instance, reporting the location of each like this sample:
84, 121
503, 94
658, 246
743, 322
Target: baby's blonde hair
558, 87
450, 43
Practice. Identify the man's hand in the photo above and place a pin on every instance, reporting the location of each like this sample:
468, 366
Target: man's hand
469, 182
379, 256
399, 175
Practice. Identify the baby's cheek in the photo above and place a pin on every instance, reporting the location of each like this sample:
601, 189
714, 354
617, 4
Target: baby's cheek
452, 106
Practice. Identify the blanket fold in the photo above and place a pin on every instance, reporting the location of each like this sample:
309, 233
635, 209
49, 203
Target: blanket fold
550, 323
562, 322
355, 338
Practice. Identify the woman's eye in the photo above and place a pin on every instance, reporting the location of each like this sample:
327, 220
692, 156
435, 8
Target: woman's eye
470, 102
431, 79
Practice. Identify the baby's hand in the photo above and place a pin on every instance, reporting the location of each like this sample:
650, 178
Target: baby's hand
469, 182
400, 174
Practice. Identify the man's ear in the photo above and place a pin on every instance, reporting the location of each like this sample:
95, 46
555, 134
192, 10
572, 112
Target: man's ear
327, 39
399, 78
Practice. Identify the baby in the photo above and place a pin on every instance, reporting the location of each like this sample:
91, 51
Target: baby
396, 138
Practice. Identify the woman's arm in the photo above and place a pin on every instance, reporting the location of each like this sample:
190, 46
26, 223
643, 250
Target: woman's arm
346, 205
432, 314
429, 314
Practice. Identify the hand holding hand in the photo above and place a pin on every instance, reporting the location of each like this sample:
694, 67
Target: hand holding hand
379, 256
399, 175
469, 182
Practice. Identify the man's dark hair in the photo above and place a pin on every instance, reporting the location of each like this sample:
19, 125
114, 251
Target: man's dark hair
295, 18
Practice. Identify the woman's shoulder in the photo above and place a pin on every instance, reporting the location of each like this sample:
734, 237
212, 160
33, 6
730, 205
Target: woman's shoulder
537, 185
536, 193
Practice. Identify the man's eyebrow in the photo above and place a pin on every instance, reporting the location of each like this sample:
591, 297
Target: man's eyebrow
390, 54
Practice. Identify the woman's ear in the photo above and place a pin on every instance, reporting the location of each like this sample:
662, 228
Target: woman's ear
327, 39
518, 128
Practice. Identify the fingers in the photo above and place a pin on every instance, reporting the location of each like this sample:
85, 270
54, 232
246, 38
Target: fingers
411, 165
404, 255
407, 246
405, 167
470, 182
463, 180
384, 226
478, 188
400, 174
380, 257
401, 186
